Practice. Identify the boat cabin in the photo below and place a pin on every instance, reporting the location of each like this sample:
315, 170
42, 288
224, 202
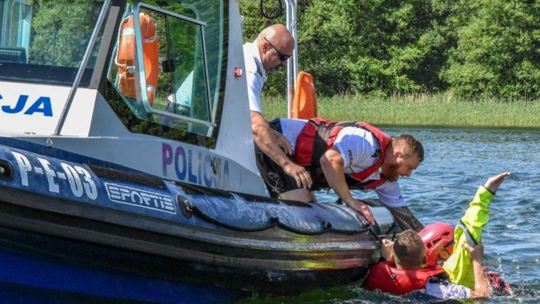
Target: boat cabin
127, 164
161, 93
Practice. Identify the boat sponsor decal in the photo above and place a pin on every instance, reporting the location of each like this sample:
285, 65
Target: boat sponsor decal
41, 106
195, 167
140, 198
80, 181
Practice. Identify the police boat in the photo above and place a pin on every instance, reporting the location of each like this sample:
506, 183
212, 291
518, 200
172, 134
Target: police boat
127, 167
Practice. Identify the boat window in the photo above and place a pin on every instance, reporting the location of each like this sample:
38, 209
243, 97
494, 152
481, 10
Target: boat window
166, 69
41, 41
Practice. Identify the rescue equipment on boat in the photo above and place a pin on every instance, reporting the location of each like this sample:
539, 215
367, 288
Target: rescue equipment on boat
304, 104
387, 278
126, 56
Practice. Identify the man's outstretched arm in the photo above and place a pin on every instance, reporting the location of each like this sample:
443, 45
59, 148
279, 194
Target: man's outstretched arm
459, 265
265, 140
332, 166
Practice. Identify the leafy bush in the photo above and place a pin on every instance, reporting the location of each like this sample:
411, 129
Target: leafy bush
473, 49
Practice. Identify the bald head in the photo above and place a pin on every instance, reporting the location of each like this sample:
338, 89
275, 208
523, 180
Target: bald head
276, 45
279, 36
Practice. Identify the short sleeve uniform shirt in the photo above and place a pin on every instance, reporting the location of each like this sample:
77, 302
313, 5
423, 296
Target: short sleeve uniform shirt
255, 76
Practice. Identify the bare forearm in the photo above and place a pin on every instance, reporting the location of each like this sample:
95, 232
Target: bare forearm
481, 284
332, 166
335, 177
266, 141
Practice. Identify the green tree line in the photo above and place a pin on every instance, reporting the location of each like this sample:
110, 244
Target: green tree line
471, 49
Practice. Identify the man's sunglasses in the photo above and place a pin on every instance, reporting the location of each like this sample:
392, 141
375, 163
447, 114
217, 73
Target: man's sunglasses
282, 56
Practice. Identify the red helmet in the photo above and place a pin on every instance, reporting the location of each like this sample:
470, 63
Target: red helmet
439, 241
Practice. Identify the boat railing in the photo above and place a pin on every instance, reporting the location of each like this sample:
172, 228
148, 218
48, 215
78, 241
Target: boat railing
82, 67
140, 66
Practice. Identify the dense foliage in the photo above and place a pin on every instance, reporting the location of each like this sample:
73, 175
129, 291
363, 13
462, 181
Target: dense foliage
60, 36
471, 49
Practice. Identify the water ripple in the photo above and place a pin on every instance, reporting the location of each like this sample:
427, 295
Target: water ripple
457, 162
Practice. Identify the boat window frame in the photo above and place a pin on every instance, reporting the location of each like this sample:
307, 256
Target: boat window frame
25, 24
55, 75
141, 75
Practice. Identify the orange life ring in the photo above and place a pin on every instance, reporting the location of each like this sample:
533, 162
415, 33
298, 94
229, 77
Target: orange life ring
127, 53
304, 104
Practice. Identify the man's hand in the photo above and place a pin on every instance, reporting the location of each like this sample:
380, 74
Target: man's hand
493, 183
265, 139
386, 249
332, 165
299, 173
283, 142
476, 253
362, 208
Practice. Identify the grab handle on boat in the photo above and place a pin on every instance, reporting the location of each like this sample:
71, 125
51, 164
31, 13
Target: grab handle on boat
186, 207
6, 170
375, 231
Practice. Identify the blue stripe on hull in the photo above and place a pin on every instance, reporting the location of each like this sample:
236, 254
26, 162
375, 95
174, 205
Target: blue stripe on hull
25, 280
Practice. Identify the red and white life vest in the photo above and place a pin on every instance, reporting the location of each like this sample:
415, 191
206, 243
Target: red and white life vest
319, 135
387, 278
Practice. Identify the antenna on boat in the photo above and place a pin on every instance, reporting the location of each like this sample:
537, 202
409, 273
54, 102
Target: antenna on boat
292, 64
82, 68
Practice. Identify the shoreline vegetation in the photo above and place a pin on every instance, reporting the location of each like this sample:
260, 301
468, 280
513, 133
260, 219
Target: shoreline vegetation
419, 110
473, 49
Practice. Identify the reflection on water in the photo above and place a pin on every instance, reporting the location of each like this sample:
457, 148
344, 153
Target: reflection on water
457, 162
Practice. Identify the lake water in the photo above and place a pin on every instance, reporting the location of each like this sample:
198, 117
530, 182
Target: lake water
457, 162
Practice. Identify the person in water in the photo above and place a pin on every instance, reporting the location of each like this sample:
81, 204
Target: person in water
345, 156
407, 272
266, 54
462, 274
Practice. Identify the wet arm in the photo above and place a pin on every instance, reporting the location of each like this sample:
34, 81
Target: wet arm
481, 284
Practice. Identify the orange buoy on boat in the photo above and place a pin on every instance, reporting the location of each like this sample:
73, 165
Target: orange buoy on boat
304, 104
126, 56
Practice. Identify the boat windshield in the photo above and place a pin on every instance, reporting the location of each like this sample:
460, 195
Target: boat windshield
162, 73
166, 69
44, 41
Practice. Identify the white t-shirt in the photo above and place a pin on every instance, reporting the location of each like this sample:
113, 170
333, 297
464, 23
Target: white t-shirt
447, 290
356, 147
255, 76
